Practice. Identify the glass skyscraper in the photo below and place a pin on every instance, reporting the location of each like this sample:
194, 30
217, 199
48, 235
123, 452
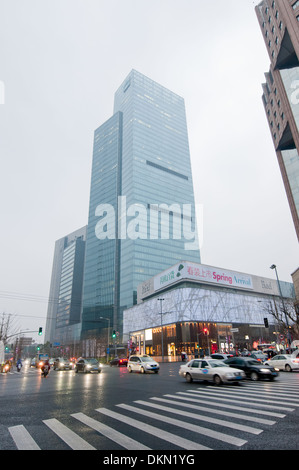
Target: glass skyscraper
63, 325
142, 210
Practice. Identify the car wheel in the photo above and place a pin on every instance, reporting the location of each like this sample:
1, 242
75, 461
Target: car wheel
130, 369
254, 376
189, 378
142, 370
217, 380
288, 368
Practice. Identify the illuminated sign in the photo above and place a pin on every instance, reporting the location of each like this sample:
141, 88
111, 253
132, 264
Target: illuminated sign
202, 273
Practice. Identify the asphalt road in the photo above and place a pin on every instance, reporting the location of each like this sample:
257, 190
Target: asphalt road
115, 410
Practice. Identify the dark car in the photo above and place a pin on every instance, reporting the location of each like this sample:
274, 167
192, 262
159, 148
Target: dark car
119, 362
252, 368
87, 365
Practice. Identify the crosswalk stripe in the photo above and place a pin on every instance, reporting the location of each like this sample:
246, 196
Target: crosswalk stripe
208, 401
248, 396
191, 427
72, 439
212, 410
144, 427
273, 390
208, 419
110, 433
22, 438
259, 404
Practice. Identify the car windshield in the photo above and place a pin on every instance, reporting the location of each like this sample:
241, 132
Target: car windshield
253, 363
92, 361
215, 363
146, 359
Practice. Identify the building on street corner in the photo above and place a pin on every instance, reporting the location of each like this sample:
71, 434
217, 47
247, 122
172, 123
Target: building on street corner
203, 309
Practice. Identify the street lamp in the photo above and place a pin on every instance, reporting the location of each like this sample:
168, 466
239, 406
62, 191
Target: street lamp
283, 305
161, 300
108, 319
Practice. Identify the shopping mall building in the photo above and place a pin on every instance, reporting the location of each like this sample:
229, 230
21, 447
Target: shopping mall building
203, 309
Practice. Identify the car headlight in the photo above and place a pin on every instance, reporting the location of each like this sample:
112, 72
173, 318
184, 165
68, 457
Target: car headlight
229, 375
266, 370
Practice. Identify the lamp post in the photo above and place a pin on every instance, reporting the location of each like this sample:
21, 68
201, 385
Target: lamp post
161, 300
283, 305
108, 336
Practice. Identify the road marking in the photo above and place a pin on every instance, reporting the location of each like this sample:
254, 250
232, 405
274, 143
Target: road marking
165, 435
22, 438
212, 410
110, 433
191, 427
261, 405
209, 419
72, 439
199, 399
275, 391
248, 397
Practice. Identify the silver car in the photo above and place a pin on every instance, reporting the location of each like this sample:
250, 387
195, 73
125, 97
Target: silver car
285, 362
142, 363
211, 370
61, 363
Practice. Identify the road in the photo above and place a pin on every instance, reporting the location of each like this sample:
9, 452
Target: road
116, 411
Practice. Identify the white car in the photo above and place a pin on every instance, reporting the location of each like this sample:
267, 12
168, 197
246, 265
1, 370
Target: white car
285, 362
142, 363
212, 370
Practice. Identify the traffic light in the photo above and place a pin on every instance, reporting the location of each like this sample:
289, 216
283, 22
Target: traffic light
205, 331
40, 331
114, 334
266, 323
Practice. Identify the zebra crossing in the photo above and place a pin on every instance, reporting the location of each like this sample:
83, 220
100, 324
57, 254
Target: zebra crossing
199, 418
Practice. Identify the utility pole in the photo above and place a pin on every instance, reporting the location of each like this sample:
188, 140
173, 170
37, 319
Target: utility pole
161, 300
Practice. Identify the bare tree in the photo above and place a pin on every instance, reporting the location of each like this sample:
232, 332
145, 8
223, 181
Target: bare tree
285, 315
7, 326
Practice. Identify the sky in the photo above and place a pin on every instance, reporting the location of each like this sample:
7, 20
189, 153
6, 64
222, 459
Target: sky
61, 62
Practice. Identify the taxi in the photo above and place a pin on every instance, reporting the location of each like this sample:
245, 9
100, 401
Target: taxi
211, 370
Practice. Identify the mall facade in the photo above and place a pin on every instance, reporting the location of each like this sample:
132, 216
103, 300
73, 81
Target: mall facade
200, 309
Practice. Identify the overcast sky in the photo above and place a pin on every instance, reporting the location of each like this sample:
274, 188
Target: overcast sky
61, 62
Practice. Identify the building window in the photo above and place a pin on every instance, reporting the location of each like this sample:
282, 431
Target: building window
295, 5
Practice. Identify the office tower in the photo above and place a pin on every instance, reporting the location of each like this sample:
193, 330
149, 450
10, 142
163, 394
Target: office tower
142, 211
279, 22
63, 324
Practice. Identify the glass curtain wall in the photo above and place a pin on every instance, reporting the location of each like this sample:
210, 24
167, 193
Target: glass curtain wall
156, 182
